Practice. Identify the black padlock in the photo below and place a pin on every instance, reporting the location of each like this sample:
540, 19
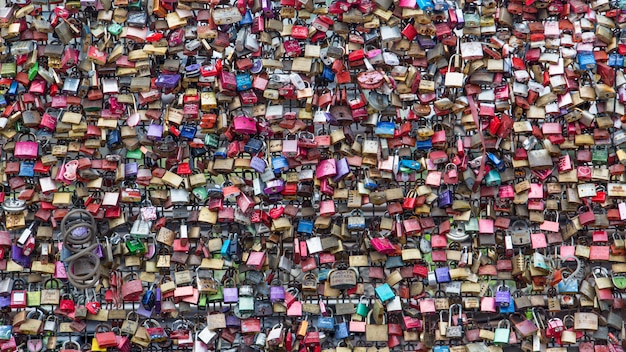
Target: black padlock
234, 250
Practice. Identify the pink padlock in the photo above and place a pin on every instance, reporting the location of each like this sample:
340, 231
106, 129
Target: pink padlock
228, 80
244, 125
290, 147
326, 168
26, 149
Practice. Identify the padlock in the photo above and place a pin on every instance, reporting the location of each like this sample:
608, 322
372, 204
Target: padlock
384, 292
501, 335
362, 308
503, 296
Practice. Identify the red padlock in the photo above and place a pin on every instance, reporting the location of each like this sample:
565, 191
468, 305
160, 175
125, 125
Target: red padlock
18, 294
312, 338
93, 307
555, 328
66, 304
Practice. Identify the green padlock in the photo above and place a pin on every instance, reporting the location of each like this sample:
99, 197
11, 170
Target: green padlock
202, 300
472, 225
472, 19
362, 308
33, 296
211, 140
32, 71
9, 69
134, 154
246, 304
135, 246
200, 193
600, 155
134, 5
217, 296
619, 280
115, 29
501, 335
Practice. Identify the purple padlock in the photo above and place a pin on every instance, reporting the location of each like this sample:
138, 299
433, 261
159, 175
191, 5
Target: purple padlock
155, 132
17, 255
232, 321
144, 312
277, 294
231, 293
167, 81
443, 274
274, 186
343, 169
258, 164
98, 251
503, 296
157, 299
5, 301
444, 199
131, 169
331, 119
267, 8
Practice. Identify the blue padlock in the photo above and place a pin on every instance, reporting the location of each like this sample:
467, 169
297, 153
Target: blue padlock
385, 293
114, 139
568, 286
279, 164
385, 129
424, 145
508, 309
586, 60
441, 5
220, 153
328, 74
493, 178
616, 60
225, 246
426, 5
157, 301
244, 81
131, 169
13, 89
322, 274
27, 168
326, 323
497, 162
370, 184
341, 330
440, 348
247, 19
188, 131
305, 226
149, 298
253, 146
234, 249
412, 165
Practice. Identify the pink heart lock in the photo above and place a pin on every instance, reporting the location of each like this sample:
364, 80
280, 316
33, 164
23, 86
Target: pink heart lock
70, 170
